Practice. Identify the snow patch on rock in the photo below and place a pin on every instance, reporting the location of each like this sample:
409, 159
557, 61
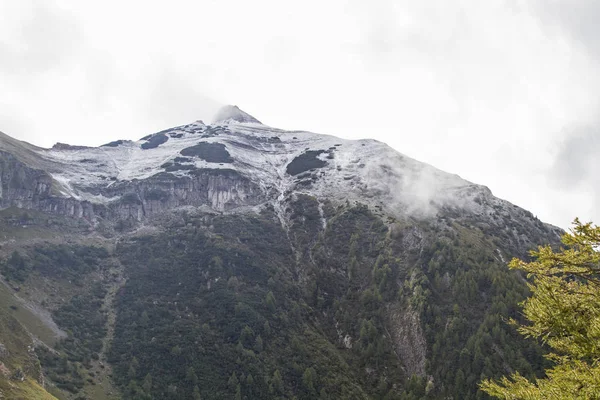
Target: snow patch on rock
366, 171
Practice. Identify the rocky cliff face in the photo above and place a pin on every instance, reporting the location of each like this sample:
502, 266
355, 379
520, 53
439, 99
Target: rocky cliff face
25, 187
218, 189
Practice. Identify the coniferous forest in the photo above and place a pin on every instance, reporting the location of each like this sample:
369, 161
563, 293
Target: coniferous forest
232, 306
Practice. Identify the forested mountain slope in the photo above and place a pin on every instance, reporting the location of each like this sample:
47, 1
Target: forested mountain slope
235, 260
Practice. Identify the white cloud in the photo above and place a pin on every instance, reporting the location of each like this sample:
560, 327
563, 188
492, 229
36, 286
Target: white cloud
482, 89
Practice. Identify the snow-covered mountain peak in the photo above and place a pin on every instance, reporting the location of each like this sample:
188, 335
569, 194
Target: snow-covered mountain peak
233, 113
239, 162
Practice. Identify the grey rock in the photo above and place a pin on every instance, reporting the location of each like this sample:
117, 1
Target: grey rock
3, 352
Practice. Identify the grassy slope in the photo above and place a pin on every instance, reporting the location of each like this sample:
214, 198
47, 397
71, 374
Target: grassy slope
30, 321
24, 231
17, 321
16, 340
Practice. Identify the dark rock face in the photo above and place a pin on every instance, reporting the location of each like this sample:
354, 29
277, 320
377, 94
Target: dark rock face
65, 146
20, 185
154, 141
305, 162
28, 188
114, 143
219, 189
209, 152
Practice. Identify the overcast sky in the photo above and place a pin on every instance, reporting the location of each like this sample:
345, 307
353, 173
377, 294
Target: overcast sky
503, 93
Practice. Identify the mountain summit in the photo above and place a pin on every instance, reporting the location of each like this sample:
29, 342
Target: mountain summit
233, 113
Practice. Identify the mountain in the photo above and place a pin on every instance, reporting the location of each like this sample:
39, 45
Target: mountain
237, 260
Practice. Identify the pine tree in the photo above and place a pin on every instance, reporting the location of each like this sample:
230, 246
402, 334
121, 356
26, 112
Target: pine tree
233, 381
267, 329
276, 386
196, 393
270, 301
258, 344
191, 376
133, 366
308, 380
147, 385
144, 319
564, 311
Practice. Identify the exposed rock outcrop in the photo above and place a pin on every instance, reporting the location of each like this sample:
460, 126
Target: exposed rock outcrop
409, 340
219, 189
3, 352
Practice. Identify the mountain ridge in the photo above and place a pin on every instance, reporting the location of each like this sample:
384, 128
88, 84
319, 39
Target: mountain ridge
270, 160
